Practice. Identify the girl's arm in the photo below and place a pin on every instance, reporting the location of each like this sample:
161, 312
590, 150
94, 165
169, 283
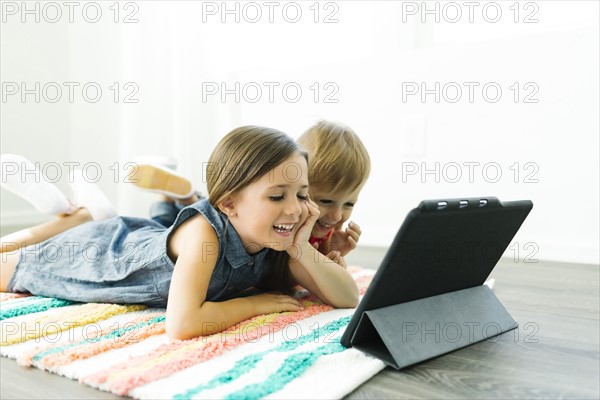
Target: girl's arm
326, 279
188, 313
337, 258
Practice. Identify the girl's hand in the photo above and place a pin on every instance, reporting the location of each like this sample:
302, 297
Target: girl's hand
268, 303
344, 241
303, 233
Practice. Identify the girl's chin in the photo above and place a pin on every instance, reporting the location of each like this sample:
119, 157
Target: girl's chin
281, 245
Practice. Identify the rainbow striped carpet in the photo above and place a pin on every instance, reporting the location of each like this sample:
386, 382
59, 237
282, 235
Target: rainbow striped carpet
124, 350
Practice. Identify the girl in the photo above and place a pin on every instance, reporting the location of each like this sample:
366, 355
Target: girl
253, 230
339, 166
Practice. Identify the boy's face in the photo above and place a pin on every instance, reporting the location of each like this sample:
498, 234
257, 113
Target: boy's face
335, 207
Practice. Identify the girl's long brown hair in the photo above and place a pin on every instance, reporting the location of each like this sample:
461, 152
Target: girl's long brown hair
242, 157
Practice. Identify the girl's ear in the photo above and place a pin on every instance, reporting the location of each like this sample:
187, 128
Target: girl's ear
227, 206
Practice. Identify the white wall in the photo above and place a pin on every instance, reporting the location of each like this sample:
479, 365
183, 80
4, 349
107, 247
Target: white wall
31, 128
59, 130
369, 54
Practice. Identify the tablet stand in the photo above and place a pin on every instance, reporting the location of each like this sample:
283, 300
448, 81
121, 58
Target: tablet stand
411, 332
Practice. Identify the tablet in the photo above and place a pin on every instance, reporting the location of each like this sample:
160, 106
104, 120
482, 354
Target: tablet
443, 246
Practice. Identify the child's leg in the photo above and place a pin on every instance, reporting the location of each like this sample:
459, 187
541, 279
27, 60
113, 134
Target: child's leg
7, 268
164, 212
11, 243
177, 190
39, 233
90, 197
22, 177
190, 200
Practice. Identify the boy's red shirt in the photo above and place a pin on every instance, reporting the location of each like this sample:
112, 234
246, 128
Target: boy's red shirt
319, 240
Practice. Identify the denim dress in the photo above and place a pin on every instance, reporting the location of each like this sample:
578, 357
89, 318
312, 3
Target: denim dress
124, 260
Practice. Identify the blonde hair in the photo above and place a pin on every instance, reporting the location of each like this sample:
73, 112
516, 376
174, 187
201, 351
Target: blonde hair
337, 157
243, 156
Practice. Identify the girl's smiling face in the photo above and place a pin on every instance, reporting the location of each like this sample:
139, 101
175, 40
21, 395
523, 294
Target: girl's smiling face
335, 208
269, 212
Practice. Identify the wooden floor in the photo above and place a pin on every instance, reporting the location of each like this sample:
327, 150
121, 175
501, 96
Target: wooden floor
553, 354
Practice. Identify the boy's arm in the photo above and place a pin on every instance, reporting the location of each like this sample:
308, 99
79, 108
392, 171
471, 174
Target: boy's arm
188, 313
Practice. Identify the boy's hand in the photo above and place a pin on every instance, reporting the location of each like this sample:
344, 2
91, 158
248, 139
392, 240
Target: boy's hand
343, 241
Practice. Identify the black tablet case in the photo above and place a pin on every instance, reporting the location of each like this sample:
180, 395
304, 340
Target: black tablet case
427, 297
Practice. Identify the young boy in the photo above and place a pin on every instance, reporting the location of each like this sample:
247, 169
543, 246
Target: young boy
338, 165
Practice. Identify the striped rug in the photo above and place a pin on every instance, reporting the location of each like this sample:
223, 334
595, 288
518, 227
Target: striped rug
124, 350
